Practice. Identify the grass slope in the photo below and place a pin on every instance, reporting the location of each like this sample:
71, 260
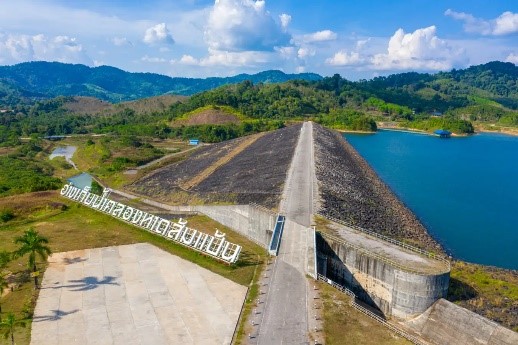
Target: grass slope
70, 226
345, 325
210, 114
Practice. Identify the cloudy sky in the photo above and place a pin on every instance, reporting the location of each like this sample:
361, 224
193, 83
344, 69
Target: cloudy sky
200, 38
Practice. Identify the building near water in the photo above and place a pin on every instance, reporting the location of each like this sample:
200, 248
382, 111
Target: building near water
443, 133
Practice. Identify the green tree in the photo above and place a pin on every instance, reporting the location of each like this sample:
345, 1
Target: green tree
9, 325
5, 258
96, 188
32, 243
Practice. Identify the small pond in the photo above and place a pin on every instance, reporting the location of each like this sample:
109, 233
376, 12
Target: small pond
81, 181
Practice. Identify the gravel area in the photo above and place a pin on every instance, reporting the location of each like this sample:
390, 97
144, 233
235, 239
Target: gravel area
351, 191
166, 179
257, 174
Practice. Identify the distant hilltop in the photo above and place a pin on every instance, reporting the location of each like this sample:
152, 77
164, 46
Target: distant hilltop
51, 79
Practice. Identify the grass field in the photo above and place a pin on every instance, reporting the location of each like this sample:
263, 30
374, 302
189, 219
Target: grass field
71, 226
108, 157
345, 325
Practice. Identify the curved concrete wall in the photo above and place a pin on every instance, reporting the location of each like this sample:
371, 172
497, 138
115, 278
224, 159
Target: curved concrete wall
393, 291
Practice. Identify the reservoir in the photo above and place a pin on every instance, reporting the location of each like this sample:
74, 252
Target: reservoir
464, 190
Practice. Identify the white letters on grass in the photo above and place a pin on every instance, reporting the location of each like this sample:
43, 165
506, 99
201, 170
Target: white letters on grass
215, 246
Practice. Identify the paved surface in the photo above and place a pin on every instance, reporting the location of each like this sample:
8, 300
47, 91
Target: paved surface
390, 251
134, 294
285, 316
297, 199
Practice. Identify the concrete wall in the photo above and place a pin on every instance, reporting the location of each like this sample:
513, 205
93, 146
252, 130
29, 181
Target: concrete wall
393, 291
253, 222
448, 324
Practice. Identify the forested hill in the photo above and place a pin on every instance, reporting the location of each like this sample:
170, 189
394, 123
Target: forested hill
51, 79
485, 95
494, 83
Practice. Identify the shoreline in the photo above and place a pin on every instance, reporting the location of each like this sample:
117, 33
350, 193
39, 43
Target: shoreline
505, 132
354, 131
419, 131
478, 130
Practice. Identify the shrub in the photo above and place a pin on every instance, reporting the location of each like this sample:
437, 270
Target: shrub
6, 215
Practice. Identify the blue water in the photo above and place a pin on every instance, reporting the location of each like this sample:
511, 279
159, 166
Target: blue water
81, 181
464, 190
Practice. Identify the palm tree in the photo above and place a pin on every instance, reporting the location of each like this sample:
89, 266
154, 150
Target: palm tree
32, 243
3, 285
10, 323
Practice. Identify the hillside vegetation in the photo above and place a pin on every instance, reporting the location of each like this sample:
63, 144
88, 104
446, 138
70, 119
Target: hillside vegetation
51, 79
457, 101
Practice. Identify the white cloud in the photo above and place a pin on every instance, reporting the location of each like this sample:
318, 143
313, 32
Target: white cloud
320, 36
506, 23
512, 57
418, 50
121, 41
421, 50
19, 48
158, 34
362, 43
246, 58
189, 60
285, 20
150, 59
35, 16
342, 58
243, 25
286, 53
304, 52
218, 58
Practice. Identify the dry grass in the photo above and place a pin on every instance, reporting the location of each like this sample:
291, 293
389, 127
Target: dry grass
345, 325
79, 227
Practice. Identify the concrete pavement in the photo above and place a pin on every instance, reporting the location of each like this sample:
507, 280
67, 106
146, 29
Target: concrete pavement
133, 294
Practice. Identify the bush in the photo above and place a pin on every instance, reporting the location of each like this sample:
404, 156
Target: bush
96, 188
6, 215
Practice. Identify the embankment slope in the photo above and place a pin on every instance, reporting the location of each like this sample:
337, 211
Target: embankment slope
255, 172
352, 192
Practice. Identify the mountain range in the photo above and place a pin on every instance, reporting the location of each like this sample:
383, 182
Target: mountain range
51, 79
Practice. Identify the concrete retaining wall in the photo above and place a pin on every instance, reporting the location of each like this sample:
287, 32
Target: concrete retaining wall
393, 291
253, 222
448, 324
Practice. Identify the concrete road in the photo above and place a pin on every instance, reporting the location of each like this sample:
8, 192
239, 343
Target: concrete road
285, 318
297, 198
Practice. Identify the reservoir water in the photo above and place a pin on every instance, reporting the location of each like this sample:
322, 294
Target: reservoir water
464, 190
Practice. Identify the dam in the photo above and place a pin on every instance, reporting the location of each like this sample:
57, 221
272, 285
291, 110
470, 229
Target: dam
360, 239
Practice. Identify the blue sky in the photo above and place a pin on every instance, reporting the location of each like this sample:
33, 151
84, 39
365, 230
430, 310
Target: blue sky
200, 38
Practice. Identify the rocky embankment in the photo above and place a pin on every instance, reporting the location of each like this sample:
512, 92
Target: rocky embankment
257, 174
254, 174
351, 191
